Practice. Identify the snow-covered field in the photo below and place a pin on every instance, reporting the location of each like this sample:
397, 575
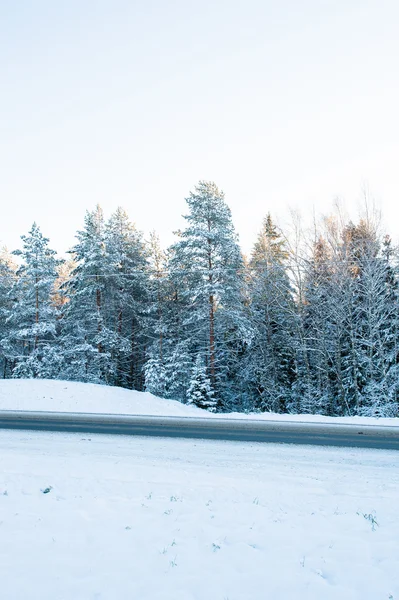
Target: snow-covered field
165, 519
69, 396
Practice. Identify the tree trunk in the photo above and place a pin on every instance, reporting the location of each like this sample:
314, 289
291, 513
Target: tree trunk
37, 310
99, 327
211, 314
212, 338
131, 370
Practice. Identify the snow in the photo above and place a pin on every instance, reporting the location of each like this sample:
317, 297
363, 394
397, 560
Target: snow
69, 396
166, 519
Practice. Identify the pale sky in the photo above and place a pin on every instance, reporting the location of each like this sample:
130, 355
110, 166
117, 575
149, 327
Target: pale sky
280, 102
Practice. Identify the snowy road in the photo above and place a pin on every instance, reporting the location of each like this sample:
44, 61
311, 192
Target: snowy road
93, 517
321, 434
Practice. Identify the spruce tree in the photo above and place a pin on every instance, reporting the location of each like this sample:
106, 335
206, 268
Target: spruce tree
84, 333
126, 300
154, 377
269, 360
316, 340
30, 342
200, 392
7, 279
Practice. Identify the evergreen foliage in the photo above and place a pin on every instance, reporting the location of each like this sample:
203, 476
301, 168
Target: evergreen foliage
7, 279
31, 315
200, 390
272, 314
207, 271
315, 331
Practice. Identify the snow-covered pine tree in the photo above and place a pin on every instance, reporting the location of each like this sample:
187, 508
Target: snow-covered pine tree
346, 361
154, 377
269, 361
84, 331
158, 288
31, 319
158, 311
168, 351
7, 278
200, 390
359, 243
390, 329
316, 341
178, 365
206, 269
127, 300
377, 333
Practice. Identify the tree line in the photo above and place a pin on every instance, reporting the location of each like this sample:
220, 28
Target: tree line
302, 325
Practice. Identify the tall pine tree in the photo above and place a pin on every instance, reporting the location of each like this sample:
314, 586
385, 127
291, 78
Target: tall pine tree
83, 326
7, 279
30, 342
269, 361
207, 269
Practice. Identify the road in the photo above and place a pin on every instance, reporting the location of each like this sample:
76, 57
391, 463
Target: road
321, 434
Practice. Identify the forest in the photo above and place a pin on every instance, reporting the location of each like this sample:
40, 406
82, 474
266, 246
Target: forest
307, 323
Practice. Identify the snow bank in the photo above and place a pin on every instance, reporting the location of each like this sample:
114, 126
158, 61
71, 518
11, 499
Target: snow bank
70, 396
306, 418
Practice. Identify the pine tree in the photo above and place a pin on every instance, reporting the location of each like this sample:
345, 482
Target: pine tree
359, 245
345, 359
84, 331
390, 331
154, 377
200, 390
206, 269
178, 365
377, 333
269, 361
127, 300
7, 279
317, 336
159, 318
32, 317
158, 288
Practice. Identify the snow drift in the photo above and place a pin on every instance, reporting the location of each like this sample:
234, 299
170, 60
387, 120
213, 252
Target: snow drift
72, 396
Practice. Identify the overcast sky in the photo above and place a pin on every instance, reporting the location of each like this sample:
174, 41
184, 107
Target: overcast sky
280, 102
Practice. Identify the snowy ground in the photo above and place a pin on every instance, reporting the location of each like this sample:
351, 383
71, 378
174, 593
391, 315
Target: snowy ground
163, 519
67, 396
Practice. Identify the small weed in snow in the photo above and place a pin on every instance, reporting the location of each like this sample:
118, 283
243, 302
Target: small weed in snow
215, 547
372, 518
255, 501
149, 496
168, 512
173, 543
47, 490
5, 493
173, 562
176, 499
